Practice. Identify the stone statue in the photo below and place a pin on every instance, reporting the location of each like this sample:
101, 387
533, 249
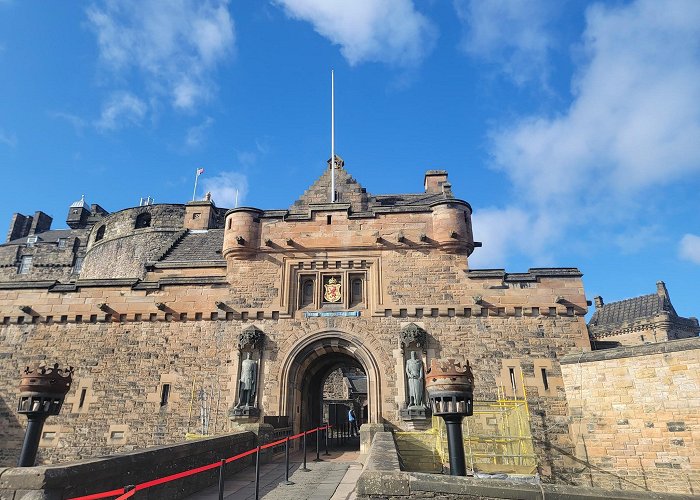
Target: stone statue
248, 382
414, 372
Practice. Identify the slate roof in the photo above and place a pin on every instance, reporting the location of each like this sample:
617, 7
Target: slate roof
615, 314
197, 246
50, 236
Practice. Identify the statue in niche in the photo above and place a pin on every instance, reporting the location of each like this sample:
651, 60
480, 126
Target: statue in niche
414, 372
248, 382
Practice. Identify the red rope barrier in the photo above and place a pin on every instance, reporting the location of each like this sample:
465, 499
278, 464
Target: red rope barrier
126, 495
190, 472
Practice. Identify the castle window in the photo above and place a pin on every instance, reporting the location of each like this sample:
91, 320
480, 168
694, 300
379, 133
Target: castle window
83, 393
544, 379
164, 394
25, 265
100, 233
511, 372
307, 292
142, 220
356, 295
329, 219
62, 242
78, 264
31, 240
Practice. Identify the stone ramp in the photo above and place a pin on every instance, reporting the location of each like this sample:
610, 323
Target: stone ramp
332, 479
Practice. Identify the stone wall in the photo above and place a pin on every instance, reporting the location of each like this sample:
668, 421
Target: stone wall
108, 473
636, 416
124, 358
383, 479
124, 251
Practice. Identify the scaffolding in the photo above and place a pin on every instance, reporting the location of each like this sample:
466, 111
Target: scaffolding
497, 439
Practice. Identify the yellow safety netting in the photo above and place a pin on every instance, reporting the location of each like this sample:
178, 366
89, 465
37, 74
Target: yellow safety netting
497, 439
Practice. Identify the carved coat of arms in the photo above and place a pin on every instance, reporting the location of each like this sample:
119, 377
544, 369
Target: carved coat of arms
332, 291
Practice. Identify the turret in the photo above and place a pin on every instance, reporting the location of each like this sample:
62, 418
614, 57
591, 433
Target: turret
452, 227
242, 233
78, 214
200, 214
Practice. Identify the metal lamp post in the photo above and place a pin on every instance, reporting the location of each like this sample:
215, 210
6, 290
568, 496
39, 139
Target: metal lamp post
42, 392
450, 389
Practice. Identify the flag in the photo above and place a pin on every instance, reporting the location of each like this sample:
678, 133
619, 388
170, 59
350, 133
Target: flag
200, 171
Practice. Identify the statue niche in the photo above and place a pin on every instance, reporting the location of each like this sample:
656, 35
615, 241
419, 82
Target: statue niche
413, 339
250, 345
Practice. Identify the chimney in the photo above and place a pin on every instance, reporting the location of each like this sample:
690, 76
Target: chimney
661, 290
19, 227
434, 179
40, 223
598, 301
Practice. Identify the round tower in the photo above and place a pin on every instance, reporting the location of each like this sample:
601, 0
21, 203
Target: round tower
452, 225
242, 232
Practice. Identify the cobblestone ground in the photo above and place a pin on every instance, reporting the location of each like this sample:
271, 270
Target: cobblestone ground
332, 479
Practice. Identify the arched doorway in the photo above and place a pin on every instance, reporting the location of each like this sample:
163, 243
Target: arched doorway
308, 365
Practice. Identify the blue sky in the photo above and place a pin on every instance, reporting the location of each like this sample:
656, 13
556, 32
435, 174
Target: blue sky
572, 128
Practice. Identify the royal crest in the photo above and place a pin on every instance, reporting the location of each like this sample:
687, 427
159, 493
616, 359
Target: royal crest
333, 291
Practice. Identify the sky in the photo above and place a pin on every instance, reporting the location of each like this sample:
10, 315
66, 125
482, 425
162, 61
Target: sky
572, 128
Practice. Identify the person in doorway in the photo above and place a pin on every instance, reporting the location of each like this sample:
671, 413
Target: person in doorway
353, 422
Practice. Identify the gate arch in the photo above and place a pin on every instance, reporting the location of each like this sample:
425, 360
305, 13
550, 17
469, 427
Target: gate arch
309, 362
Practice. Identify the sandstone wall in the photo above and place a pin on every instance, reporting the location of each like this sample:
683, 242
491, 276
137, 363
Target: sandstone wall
124, 359
636, 416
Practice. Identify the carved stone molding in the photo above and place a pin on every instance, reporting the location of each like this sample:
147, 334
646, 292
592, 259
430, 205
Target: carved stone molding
251, 338
413, 334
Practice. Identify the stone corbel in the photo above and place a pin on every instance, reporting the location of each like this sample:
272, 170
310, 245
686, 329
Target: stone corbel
413, 334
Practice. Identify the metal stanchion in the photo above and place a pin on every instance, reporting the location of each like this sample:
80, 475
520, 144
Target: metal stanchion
325, 438
257, 474
286, 463
304, 468
318, 446
221, 479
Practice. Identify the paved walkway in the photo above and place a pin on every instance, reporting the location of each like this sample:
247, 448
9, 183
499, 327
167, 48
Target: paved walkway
332, 479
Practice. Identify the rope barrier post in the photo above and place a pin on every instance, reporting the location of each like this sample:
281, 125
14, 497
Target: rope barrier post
286, 463
257, 473
318, 443
221, 479
325, 438
304, 468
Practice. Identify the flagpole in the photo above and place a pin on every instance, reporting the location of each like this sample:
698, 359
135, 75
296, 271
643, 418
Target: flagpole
196, 178
332, 137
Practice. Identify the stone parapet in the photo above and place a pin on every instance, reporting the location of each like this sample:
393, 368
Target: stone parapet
57, 482
383, 479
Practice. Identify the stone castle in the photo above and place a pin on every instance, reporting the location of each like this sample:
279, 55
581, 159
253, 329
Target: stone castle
153, 303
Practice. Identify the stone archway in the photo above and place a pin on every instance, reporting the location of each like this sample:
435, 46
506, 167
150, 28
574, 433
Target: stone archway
310, 361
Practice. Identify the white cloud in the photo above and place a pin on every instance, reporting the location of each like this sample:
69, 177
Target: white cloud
224, 187
75, 121
8, 138
121, 109
195, 135
250, 158
633, 125
689, 248
510, 33
174, 46
388, 31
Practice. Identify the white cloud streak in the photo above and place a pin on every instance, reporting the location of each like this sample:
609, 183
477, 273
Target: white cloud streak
8, 138
195, 135
388, 31
225, 186
510, 33
689, 248
172, 45
633, 124
120, 110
